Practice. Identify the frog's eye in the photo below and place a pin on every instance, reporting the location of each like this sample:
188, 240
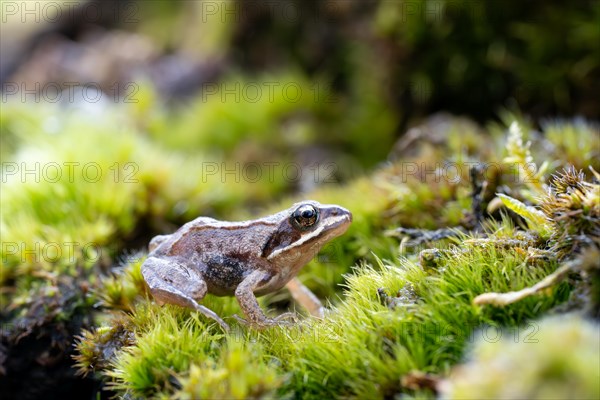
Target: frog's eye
304, 217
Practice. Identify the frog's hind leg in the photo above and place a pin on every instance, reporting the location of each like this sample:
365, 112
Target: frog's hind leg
306, 298
174, 284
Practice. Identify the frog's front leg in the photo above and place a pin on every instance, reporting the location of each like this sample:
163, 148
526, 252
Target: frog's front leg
244, 294
172, 283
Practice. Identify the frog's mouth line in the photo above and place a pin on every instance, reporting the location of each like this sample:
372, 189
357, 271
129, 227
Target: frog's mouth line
339, 217
342, 221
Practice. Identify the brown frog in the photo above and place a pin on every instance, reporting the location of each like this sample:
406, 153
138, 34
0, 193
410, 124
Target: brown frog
242, 259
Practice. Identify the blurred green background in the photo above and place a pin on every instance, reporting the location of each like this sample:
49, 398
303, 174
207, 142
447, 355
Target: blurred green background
308, 80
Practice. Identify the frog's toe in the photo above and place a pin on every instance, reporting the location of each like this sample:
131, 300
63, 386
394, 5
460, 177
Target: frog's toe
262, 324
288, 317
212, 315
224, 325
241, 320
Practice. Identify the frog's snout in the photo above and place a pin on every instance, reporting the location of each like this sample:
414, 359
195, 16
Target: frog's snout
341, 211
349, 216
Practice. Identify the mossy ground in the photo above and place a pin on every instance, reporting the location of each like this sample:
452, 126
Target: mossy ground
397, 307
538, 372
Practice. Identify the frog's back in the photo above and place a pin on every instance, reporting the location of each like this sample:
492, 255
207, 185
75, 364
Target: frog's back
203, 238
162, 245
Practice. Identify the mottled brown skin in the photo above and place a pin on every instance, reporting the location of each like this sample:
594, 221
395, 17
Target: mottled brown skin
242, 259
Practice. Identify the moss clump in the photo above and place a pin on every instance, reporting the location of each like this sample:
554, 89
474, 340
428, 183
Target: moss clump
37, 336
168, 341
124, 287
427, 335
553, 358
97, 348
241, 372
573, 206
578, 142
569, 227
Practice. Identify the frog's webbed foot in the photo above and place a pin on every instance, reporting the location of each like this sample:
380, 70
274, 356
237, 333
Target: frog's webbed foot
173, 284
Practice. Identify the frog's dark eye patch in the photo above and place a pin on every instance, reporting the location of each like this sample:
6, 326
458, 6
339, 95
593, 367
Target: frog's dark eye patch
304, 217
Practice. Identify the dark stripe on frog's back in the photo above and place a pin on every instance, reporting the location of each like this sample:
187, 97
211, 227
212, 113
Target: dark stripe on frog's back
220, 237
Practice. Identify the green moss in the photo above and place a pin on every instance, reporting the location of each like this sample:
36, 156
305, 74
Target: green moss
126, 285
322, 357
553, 358
242, 114
241, 372
573, 207
519, 155
96, 349
427, 336
167, 343
576, 143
